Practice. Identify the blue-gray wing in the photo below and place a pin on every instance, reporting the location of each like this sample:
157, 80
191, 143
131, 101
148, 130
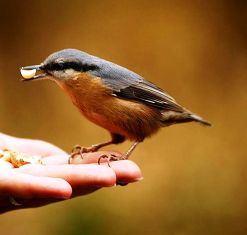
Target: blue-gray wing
126, 84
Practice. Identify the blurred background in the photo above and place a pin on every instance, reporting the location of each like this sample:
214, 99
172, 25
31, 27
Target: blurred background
194, 177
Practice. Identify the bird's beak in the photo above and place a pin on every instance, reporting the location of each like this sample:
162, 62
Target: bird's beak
30, 72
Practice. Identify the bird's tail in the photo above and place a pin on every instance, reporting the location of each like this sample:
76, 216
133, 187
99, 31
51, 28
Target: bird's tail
196, 118
171, 117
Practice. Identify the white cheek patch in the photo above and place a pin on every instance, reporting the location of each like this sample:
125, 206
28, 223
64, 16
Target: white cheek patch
28, 73
65, 74
71, 72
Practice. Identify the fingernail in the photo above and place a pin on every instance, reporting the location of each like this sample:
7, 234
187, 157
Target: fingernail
121, 183
138, 179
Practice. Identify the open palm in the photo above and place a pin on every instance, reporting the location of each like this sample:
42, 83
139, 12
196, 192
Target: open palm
56, 180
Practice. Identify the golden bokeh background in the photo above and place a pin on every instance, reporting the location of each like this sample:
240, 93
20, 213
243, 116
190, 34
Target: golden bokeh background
194, 177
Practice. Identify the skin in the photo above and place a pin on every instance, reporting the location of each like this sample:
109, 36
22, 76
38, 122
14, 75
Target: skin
56, 180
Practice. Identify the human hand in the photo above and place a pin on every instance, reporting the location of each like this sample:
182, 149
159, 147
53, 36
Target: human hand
56, 180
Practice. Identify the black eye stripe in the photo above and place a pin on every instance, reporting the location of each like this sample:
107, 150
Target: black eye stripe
69, 65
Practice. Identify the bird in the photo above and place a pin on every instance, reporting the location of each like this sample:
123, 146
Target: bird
111, 96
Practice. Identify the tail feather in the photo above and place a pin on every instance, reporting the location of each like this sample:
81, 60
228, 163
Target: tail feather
172, 117
197, 118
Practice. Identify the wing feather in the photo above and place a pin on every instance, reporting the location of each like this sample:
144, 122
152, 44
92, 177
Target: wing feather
126, 84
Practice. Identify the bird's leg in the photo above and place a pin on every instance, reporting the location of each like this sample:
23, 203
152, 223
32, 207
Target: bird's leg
131, 149
96, 147
80, 150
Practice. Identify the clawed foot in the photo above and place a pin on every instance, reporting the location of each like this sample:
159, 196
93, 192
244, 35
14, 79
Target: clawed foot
80, 150
110, 157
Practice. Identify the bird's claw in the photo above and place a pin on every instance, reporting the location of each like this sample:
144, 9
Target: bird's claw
110, 157
80, 150
77, 150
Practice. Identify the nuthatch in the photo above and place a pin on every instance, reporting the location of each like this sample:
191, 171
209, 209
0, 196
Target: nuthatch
111, 96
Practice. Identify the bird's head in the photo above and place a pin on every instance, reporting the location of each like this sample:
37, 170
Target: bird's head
61, 65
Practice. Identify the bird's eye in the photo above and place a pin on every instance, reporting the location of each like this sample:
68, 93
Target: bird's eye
67, 65
75, 65
54, 66
59, 66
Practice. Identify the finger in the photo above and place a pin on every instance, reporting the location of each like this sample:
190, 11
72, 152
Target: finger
29, 186
56, 159
126, 171
76, 175
5, 164
6, 204
93, 157
85, 158
33, 147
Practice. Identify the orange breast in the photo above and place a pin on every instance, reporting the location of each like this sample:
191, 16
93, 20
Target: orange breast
131, 119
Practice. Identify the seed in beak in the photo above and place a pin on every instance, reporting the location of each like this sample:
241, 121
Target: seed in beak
28, 73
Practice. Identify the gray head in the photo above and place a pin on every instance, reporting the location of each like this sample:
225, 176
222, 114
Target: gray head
64, 64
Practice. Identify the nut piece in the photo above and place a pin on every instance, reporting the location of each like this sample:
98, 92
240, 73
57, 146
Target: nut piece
28, 73
18, 159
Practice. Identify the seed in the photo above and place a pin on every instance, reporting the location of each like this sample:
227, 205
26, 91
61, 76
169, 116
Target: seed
28, 73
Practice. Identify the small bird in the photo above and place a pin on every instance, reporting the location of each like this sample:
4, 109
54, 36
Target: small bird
111, 96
